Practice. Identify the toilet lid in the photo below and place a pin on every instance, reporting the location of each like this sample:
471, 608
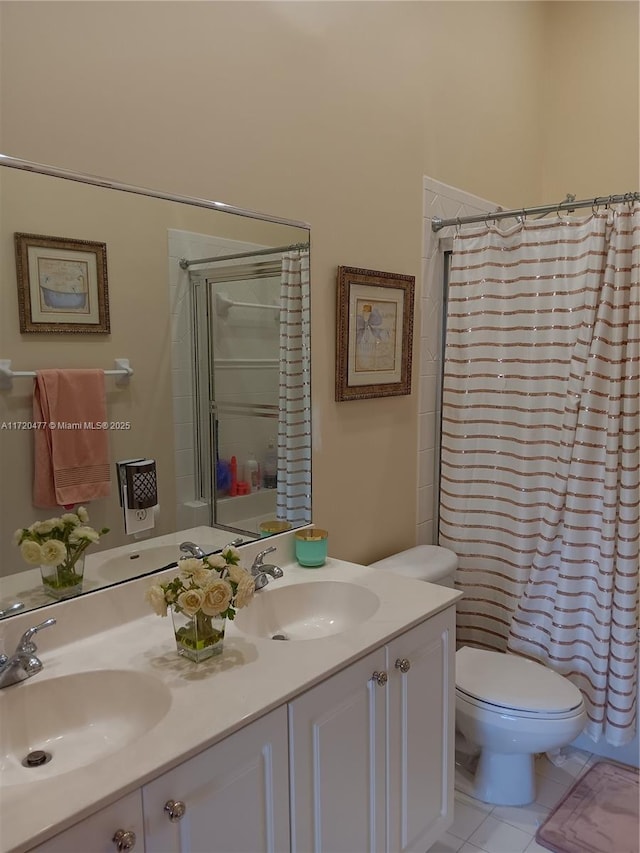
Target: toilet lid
430, 563
513, 682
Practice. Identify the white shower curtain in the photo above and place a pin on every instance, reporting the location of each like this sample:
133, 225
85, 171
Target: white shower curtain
540, 460
294, 423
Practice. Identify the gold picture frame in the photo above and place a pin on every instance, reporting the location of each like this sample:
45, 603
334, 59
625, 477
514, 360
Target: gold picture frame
374, 334
62, 284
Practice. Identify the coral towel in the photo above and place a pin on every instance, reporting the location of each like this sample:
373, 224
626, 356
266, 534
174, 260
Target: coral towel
71, 448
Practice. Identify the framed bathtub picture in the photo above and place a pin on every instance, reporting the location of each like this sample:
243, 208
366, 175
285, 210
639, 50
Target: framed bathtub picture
62, 284
374, 335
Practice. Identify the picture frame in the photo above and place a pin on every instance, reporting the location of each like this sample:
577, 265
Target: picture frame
62, 284
374, 333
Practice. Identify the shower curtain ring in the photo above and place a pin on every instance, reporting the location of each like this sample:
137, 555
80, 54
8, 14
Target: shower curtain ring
458, 224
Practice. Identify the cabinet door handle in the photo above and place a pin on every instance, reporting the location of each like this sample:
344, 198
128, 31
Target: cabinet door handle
175, 809
403, 664
124, 839
380, 678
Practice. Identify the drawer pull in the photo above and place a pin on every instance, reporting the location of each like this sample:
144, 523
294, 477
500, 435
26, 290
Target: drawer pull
175, 809
403, 664
380, 678
124, 839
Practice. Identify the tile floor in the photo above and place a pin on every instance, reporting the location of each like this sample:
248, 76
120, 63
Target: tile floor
483, 828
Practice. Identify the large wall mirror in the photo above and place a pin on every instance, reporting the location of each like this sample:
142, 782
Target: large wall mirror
209, 306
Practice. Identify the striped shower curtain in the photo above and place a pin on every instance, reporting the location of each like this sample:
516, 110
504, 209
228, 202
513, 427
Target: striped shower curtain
293, 498
540, 460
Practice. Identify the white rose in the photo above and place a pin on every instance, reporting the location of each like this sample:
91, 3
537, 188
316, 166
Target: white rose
231, 553
244, 592
217, 598
17, 536
70, 518
31, 552
186, 568
44, 527
82, 514
190, 601
54, 552
155, 597
83, 534
203, 576
237, 573
216, 561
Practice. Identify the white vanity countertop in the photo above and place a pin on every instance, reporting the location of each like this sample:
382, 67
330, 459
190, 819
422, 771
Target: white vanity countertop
103, 568
208, 700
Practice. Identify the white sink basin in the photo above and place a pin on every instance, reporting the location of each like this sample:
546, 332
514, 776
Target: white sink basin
307, 611
141, 561
77, 719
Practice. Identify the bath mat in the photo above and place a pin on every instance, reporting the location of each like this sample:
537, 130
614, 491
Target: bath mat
598, 814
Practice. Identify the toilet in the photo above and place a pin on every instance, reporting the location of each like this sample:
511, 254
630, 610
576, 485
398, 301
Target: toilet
508, 708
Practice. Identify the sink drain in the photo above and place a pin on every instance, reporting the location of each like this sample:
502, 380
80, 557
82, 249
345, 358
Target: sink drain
36, 758
279, 637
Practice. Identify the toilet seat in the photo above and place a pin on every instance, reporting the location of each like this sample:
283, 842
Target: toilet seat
503, 710
515, 685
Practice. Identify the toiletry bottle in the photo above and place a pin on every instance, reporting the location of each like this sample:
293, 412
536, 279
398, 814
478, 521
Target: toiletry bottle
223, 477
270, 468
252, 472
233, 471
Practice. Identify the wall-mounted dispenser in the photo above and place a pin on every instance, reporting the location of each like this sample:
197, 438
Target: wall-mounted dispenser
138, 490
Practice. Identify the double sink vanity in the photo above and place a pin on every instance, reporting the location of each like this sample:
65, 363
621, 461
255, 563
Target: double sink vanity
335, 736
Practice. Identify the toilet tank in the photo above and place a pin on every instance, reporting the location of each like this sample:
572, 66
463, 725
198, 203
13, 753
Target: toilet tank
429, 563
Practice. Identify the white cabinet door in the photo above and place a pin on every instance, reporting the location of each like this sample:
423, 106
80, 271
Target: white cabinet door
421, 733
96, 833
337, 748
235, 795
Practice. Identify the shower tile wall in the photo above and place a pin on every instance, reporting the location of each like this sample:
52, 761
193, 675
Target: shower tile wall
444, 202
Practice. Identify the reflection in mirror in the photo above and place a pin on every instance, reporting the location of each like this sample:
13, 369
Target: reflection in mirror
253, 389
205, 372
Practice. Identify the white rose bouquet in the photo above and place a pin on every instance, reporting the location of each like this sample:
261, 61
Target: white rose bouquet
206, 592
59, 543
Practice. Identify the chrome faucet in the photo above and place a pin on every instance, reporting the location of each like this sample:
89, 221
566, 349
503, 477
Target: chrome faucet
190, 549
23, 663
11, 609
261, 571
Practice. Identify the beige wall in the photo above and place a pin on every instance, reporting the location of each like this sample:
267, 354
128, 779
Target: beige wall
329, 113
590, 101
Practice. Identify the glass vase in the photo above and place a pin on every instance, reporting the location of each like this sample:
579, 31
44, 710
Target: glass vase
198, 637
65, 580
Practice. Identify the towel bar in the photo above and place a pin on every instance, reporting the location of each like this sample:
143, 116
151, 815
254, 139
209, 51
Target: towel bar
122, 370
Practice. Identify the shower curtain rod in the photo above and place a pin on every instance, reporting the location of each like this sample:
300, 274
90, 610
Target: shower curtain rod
185, 264
570, 205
